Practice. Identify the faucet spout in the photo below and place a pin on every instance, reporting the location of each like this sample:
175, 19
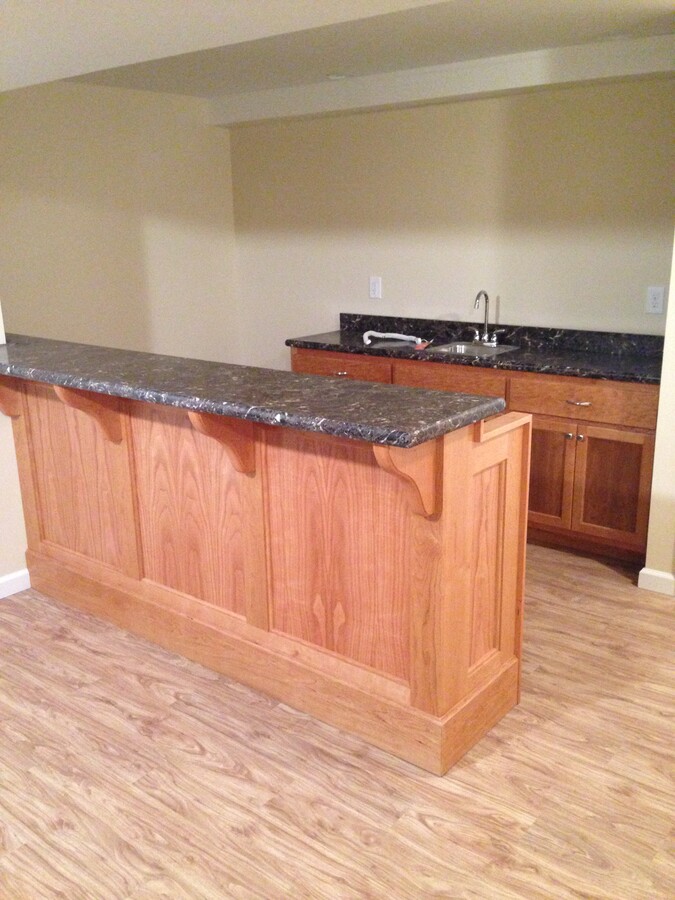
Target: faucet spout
485, 336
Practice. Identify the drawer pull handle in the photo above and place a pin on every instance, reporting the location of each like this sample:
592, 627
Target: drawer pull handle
579, 402
569, 435
340, 374
581, 437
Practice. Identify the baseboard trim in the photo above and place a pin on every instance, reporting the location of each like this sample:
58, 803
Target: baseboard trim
660, 582
14, 582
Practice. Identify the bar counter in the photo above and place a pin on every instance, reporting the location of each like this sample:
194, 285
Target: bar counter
354, 550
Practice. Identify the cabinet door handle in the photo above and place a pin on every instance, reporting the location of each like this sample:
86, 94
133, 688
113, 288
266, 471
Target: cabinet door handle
579, 402
340, 374
581, 437
569, 435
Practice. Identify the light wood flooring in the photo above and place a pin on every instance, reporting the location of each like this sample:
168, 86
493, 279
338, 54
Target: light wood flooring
127, 772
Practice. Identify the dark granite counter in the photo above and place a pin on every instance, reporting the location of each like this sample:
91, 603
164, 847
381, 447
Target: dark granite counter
585, 354
382, 414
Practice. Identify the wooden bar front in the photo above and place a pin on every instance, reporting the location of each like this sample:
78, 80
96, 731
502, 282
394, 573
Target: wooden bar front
377, 588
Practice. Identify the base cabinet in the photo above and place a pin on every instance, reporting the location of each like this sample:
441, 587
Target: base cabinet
592, 445
591, 480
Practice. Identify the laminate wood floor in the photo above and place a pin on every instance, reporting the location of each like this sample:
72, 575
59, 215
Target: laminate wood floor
128, 772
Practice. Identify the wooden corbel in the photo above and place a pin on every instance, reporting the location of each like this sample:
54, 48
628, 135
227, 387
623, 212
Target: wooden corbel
236, 436
420, 469
10, 397
102, 408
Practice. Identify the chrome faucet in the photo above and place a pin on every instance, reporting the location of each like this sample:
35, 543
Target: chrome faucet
485, 336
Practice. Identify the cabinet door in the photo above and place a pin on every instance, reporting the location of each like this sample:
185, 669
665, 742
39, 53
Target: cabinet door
552, 472
444, 377
612, 484
340, 365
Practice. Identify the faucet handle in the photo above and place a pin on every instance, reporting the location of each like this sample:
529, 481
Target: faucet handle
476, 332
492, 339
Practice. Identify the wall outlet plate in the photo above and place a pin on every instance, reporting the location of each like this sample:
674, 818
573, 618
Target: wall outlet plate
375, 287
654, 301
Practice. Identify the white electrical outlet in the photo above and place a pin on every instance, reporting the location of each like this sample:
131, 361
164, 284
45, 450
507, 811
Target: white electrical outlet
375, 287
654, 301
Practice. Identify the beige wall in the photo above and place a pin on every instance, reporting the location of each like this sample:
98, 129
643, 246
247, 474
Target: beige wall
556, 202
659, 571
116, 220
115, 228
12, 531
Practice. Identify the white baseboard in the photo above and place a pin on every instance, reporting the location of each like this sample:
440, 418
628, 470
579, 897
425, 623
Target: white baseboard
14, 582
653, 580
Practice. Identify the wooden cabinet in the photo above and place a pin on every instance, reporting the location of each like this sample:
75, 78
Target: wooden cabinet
591, 480
592, 442
341, 365
585, 399
592, 457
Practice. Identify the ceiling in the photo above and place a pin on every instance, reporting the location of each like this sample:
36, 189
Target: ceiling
430, 35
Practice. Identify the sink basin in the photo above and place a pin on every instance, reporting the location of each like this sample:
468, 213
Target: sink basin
469, 348
392, 345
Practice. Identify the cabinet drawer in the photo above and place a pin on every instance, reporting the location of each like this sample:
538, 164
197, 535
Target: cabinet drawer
586, 399
340, 365
442, 377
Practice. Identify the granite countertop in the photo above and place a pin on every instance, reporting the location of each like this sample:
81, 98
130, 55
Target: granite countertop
381, 414
585, 354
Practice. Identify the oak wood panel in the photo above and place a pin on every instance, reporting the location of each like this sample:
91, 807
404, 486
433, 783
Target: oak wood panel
497, 552
612, 483
340, 556
614, 402
196, 512
552, 471
444, 377
340, 365
82, 482
487, 517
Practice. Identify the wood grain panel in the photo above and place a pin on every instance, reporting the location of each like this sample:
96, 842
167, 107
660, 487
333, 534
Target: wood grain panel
493, 630
193, 509
339, 549
552, 472
612, 484
341, 365
443, 377
487, 539
614, 402
82, 482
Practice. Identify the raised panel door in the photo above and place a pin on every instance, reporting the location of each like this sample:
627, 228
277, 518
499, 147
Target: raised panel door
552, 472
612, 484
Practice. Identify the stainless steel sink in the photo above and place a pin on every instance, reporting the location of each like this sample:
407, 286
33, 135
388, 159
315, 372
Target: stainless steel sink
392, 345
470, 348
